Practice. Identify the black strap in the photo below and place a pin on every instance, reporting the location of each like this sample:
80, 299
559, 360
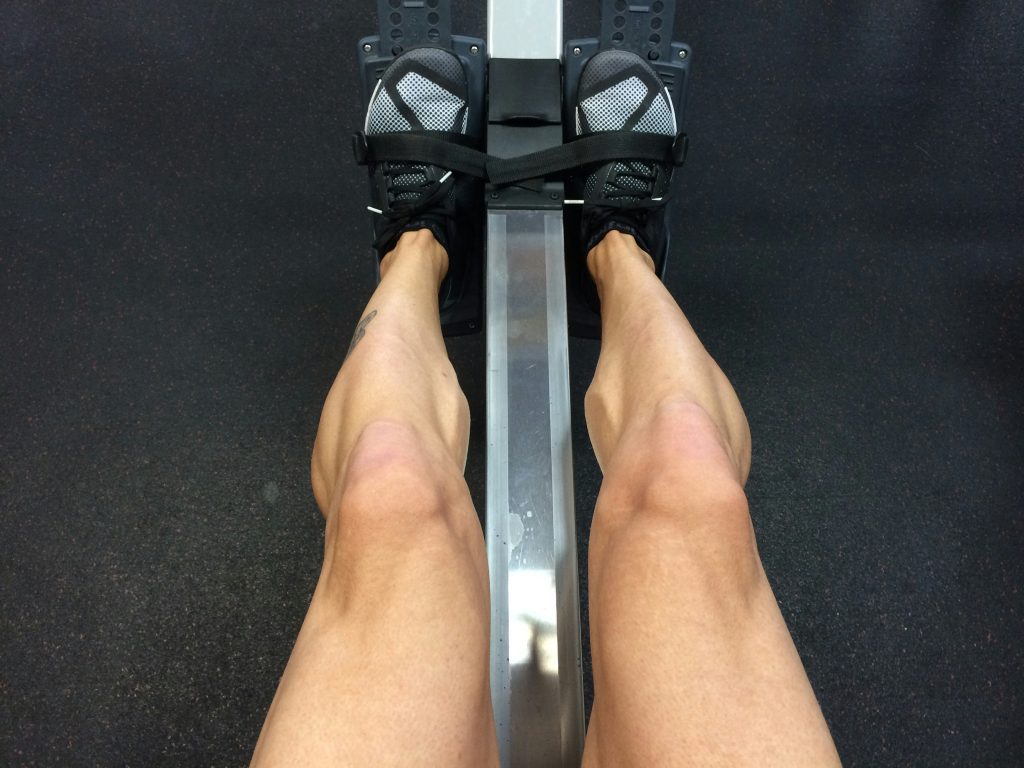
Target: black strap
452, 151
600, 147
447, 150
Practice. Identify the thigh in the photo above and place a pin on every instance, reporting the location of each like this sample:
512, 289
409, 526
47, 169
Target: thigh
693, 663
390, 666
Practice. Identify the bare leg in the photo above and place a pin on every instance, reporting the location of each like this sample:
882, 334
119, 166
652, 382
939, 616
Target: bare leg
693, 664
390, 666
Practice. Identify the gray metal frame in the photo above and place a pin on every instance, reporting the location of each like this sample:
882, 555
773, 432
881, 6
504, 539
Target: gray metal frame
536, 675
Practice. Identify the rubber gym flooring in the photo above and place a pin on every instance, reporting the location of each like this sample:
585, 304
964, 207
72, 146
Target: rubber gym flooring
184, 254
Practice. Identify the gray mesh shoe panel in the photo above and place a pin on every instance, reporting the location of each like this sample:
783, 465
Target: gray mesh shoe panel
434, 105
615, 105
611, 108
384, 116
659, 117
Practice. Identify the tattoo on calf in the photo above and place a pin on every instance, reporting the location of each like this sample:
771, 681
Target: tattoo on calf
360, 332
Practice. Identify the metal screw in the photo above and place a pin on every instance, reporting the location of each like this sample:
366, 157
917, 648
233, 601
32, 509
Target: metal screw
474, 49
682, 54
367, 48
577, 51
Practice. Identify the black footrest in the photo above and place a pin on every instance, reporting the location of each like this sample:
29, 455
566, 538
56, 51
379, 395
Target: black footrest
641, 26
405, 24
645, 28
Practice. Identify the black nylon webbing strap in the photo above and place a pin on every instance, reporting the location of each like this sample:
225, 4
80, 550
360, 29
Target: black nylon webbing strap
595, 148
449, 151
432, 148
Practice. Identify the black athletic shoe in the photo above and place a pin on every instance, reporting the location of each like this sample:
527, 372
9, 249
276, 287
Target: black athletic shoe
424, 89
618, 91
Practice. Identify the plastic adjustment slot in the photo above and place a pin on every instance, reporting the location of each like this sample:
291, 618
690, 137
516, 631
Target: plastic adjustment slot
405, 23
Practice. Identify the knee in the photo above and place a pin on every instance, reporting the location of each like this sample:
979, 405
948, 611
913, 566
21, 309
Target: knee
677, 495
339, 451
676, 456
399, 492
704, 543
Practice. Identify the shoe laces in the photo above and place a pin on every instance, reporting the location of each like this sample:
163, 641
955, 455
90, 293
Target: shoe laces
412, 196
408, 182
626, 202
633, 181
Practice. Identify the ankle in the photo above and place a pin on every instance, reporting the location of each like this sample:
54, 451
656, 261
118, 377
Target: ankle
421, 246
613, 253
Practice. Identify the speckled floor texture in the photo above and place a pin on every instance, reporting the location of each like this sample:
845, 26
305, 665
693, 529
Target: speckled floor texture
184, 253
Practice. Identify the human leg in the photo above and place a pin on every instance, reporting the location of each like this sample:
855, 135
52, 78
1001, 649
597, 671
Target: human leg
390, 665
693, 664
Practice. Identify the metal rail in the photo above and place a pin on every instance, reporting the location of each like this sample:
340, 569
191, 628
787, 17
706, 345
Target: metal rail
536, 677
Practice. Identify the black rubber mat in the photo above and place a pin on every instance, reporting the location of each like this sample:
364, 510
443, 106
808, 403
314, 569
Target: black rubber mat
184, 253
